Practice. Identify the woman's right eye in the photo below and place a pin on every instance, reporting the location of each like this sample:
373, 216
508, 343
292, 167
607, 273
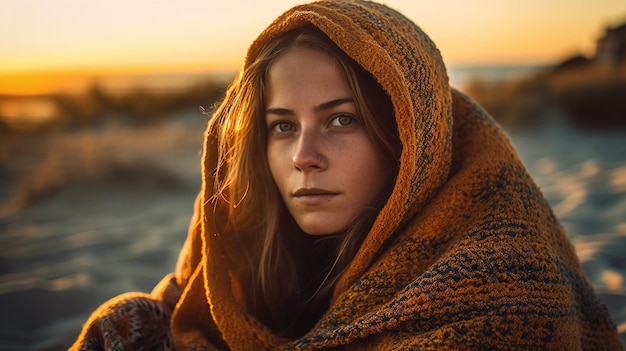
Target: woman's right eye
282, 127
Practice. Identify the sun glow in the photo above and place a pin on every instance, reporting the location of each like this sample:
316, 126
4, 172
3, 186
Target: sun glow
75, 80
54, 45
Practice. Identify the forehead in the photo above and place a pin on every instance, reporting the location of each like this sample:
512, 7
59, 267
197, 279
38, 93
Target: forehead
304, 72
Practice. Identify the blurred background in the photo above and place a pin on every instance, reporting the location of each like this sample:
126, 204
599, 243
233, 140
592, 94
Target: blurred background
101, 122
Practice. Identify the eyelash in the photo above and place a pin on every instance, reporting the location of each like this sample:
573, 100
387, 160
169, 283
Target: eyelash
275, 127
340, 116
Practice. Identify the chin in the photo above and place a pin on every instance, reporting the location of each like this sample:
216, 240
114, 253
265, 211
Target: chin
316, 229
321, 222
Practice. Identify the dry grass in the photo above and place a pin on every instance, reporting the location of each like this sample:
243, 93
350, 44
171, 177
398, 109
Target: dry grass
40, 165
99, 137
591, 97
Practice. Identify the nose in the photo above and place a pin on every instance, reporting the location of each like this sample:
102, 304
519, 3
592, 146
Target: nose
308, 156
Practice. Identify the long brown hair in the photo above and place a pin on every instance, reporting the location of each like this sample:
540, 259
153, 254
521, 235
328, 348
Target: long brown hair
284, 285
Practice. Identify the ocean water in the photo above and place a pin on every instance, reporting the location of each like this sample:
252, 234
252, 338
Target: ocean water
461, 75
66, 253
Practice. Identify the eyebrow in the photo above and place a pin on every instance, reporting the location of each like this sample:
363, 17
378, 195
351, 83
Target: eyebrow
321, 107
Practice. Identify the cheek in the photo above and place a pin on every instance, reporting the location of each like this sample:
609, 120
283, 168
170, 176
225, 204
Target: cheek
275, 165
373, 174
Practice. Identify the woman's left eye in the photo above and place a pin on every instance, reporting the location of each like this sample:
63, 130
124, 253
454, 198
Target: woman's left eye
342, 121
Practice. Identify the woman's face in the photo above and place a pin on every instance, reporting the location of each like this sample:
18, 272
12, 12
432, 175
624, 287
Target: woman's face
325, 165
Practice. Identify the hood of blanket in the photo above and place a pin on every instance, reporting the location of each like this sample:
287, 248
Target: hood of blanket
409, 67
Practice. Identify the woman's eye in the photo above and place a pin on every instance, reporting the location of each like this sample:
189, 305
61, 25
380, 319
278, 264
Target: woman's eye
342, 121
282, 127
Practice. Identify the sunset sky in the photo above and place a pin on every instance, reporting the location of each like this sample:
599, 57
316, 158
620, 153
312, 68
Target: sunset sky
45, 38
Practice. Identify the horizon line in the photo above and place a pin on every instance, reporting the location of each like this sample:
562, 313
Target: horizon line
48, 81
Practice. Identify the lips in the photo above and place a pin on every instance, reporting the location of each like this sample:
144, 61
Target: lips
312, 192
313, 196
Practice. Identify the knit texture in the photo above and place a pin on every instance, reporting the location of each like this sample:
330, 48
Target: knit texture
466, 254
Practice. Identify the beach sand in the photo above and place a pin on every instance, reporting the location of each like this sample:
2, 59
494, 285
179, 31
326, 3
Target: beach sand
95, 237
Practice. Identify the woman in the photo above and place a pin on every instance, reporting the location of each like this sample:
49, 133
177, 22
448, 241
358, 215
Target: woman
352, 199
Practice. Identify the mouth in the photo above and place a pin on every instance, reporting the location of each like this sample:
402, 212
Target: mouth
313, 196
302, 192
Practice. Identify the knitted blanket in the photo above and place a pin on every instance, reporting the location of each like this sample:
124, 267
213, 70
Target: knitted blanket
466, 254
